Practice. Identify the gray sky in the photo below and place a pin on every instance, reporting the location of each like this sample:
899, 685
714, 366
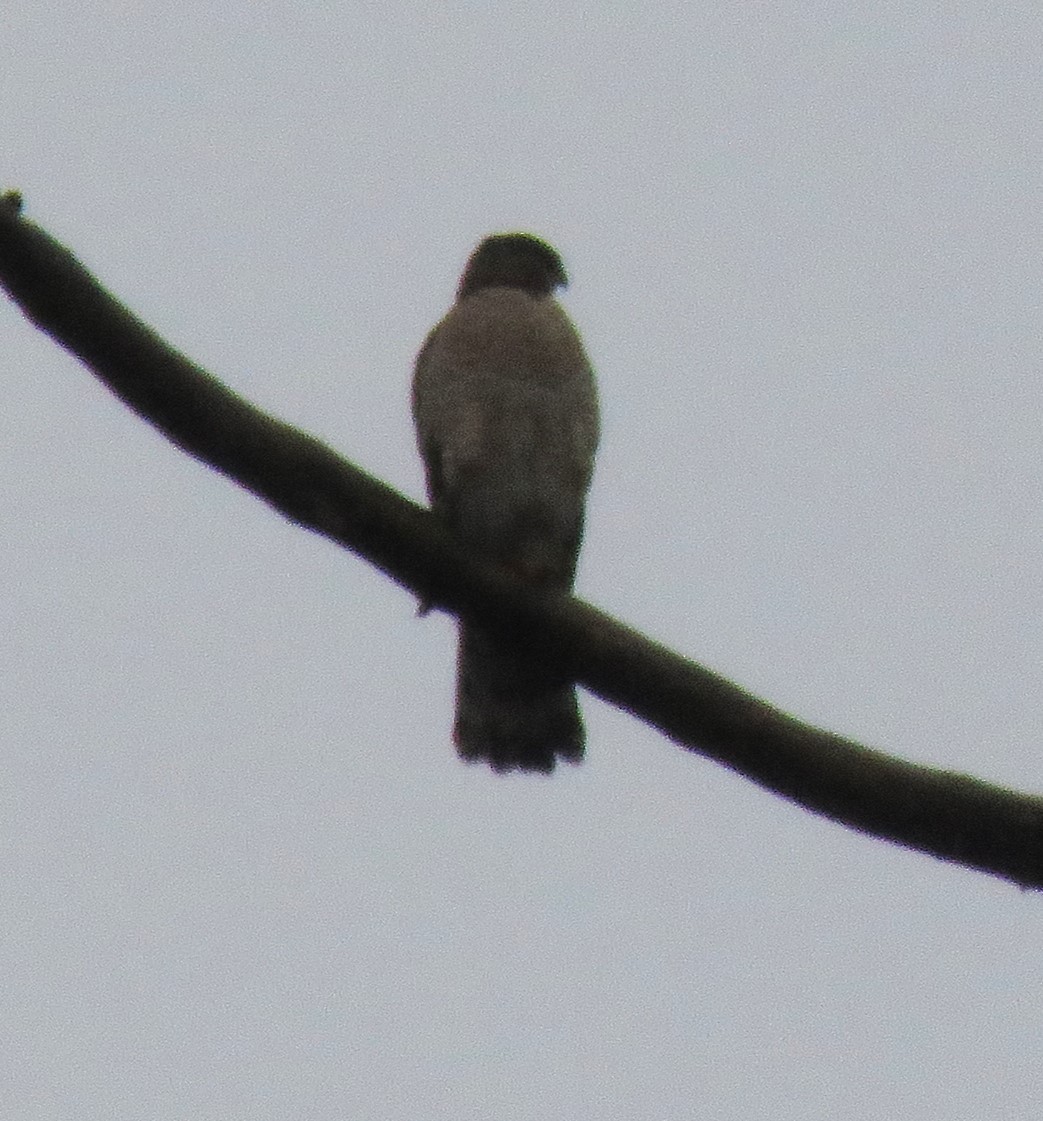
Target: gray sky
244, 875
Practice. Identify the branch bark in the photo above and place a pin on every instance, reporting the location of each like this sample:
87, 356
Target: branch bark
950, 816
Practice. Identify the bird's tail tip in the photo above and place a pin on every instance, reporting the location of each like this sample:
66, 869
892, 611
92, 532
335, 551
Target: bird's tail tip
534, 746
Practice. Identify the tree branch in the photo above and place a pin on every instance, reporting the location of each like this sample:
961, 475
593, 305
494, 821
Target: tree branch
951, 816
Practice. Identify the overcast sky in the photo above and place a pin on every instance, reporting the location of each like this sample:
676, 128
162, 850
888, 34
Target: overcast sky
243, 874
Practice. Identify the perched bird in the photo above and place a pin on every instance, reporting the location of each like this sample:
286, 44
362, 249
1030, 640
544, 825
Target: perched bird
507, 424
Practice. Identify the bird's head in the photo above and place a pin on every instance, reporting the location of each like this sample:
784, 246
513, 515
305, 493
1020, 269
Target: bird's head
513, 261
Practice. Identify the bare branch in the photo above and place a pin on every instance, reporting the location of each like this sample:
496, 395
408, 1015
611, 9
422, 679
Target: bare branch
950, 816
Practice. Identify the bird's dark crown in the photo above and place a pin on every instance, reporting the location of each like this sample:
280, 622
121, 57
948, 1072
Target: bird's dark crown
513, 261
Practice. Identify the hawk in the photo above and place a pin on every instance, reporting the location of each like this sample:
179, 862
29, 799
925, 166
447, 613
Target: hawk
506, 417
